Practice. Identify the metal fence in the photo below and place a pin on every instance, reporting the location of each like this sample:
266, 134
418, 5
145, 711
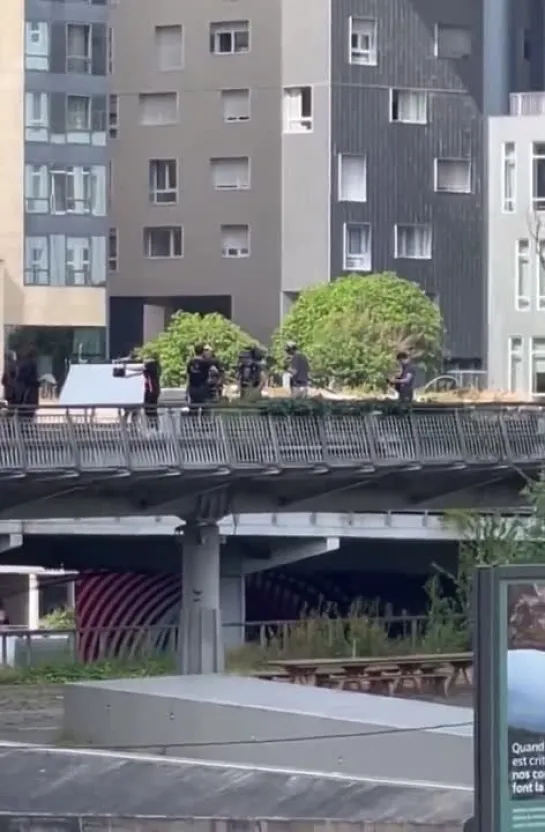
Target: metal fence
101, 440
307, 637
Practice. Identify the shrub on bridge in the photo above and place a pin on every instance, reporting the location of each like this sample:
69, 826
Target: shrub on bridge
352, 328
175, 345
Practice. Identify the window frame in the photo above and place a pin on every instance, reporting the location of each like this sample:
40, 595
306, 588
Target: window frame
147, 242
228, 188
397, 255
504, 161
163, 26
537, 204
247, 226
113, 259
512, 353
424, 93
523, 302
436, 30
373, 52
340, 162
228, 27
347, 226
154, 191
306, 123
436, 164
242, 120
535, 354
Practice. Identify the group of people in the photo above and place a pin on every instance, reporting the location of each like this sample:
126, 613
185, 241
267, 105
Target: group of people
206, 376
21, 382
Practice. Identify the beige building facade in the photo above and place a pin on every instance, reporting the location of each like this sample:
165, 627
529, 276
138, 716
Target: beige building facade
53, 199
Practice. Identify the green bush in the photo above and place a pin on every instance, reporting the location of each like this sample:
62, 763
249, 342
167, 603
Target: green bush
352, 328
175, 345
59, 619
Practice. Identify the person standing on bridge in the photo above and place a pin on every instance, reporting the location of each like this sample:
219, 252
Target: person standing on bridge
152, 389
298, 368
403, 383
27, 384
9, 377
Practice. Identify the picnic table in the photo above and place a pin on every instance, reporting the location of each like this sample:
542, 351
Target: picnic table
376, 674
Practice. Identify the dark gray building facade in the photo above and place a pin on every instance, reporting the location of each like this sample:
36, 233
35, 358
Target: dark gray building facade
402, 155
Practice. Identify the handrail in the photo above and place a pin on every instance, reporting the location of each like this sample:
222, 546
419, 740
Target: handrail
102, 440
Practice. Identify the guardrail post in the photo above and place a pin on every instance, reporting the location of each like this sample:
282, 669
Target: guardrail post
76, 455
125, 439
509, 455
274, 437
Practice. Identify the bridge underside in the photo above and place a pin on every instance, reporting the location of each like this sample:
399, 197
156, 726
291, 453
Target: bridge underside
210, 497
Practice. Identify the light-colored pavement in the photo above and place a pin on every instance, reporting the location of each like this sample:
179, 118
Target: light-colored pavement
30, 713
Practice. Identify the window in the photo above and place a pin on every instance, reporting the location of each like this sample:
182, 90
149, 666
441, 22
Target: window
230, 37
363, 41
236, 105
409, 106
516, 366
413, 242
523, 275
37, 46
508, 180
357, 247
36, 261
36, 117
231, 174
168, 47
538, 365
540, 262
453, 176
79, 190
113, 255
452, 41
163, 242
113, 116
538, 176
158, 108
78, 261
297, 109
111, 49
78, 48
36, 189
235, 241
78, 113
163, 181
65, 261
352, 178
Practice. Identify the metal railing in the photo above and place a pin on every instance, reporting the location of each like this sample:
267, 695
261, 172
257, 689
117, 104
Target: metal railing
104, 441
527, 103
307, 637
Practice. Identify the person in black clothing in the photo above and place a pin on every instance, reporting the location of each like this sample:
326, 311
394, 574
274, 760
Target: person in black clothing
403, 383
298, 368
152, 389
249, 374
198, 373
27, 384
9, 377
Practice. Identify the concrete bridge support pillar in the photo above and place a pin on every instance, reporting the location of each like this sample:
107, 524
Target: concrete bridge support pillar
201, 639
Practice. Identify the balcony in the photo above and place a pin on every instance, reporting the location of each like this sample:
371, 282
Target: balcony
527, 104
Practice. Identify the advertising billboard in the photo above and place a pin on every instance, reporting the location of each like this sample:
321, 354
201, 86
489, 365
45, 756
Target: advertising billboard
509, 670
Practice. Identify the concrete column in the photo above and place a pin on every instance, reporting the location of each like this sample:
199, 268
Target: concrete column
497, 35
200, 627
233, 602
33, 602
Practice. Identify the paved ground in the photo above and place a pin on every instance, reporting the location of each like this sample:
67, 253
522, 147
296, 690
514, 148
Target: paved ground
30, 713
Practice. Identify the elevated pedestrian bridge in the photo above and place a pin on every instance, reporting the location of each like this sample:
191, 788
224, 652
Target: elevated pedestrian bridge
91, 461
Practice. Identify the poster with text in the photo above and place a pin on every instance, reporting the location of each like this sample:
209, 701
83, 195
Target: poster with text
523, 672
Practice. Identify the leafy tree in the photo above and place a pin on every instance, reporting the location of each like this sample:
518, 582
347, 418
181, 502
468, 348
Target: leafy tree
175, 345
352, 328
490, 540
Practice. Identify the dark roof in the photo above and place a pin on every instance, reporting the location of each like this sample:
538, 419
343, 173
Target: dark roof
58, 781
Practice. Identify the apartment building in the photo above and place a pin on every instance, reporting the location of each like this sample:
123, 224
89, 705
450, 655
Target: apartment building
516, 246
53, 169
261, 147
